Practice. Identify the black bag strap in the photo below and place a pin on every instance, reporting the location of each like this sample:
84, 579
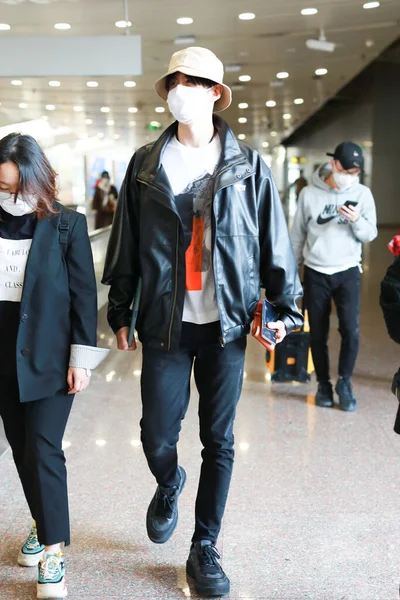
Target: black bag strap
63, 230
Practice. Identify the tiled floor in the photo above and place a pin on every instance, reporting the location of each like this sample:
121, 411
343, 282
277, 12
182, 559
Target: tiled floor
314, 506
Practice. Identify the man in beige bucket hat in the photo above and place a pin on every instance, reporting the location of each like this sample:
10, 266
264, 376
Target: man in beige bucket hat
199, 222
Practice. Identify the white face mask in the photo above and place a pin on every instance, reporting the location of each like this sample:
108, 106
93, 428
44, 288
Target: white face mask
189, 104
344, 181
18, 208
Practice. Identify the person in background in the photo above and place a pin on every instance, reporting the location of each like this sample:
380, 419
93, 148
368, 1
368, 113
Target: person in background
199, 219
390, 305
300, 183
48, 322
335, 216
104, 201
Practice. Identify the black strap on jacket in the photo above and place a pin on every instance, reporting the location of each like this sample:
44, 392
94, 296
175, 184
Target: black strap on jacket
63, 229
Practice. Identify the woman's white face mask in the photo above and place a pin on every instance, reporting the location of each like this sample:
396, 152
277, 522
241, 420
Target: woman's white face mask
190, 104
18, 208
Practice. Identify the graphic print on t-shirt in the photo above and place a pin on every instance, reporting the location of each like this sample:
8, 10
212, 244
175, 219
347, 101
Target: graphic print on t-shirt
195, 207
13, 259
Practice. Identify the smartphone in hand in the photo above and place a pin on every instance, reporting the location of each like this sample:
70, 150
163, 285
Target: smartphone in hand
269, 315
349, 203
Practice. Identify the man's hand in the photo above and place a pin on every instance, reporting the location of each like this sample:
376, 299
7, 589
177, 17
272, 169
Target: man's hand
122, 340
351, 213
77, 380
280, 330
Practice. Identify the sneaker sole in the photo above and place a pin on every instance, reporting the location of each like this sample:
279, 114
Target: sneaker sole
164, 536
52, 590
29, 560
221, 588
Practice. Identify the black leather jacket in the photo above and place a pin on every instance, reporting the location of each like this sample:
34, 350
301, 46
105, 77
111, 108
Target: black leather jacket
251, 245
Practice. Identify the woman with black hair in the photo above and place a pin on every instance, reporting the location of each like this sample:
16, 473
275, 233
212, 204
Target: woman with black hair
48, 323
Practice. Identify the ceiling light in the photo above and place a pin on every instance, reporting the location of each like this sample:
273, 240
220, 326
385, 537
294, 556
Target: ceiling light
184, 40
54, 83
23, 105
242, 120
320, 72
132, 123
62, 26
89, 121
92, 84
160, 109
130, 84
105, 109
282, 75
116, 136
123, 24
299, 101
369, 43
110, 122
101, 442
270, 103
155, 124
273, 134
247, 16
245, 78
243, 105
50, 107
233, 68
78, 108
265, 145
132, 109
5, 27
368, 144
372, 5
184, 21
287, 116
241, 136
306, 12
16, 82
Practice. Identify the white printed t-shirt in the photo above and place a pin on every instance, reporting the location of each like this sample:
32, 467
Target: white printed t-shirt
191, 174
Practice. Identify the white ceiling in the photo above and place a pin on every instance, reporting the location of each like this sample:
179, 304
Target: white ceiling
274, 41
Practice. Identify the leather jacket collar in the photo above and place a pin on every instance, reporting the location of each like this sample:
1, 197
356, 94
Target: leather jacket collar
233, 164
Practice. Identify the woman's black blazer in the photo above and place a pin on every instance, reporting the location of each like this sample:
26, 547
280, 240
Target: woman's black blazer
58, 306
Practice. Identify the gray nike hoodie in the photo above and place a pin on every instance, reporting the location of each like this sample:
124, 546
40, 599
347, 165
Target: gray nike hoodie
323, 239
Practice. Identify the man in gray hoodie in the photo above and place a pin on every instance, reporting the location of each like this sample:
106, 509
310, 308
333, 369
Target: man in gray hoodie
335, 216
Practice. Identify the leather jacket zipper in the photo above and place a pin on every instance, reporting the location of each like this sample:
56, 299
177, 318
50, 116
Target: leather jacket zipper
176, 260
176, 287
221, 338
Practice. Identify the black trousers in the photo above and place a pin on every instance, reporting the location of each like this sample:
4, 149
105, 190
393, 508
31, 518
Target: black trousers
218, 374
344, 289
35, 431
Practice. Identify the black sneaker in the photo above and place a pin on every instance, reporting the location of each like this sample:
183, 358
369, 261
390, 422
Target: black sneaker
162, 514
324, 395
203, 566
344, 390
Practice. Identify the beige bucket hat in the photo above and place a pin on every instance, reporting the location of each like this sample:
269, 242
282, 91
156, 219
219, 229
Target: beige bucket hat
198, 62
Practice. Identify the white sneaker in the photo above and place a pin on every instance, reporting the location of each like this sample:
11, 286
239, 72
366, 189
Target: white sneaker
31, 552
51, 577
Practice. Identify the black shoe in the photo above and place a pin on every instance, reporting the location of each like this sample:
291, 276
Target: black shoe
162, 514
344, 390
203, 566
324, 395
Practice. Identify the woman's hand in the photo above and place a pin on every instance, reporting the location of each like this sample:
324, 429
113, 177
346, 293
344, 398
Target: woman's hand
77, 380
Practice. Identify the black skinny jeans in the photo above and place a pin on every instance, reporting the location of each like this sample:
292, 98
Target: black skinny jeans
218, 374
344, 289
35, 431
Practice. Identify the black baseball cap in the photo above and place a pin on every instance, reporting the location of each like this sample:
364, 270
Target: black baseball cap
350, 156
